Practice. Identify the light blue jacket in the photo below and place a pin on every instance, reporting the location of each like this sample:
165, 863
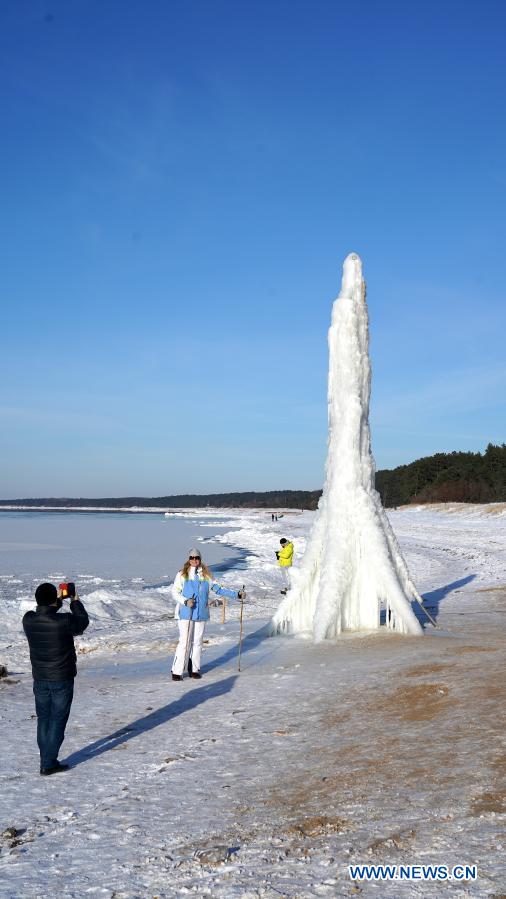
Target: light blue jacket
198, 589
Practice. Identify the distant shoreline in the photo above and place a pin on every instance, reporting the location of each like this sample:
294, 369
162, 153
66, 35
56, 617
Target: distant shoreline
149, 510
153, 510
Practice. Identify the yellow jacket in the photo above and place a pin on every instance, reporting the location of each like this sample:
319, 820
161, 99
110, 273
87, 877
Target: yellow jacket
285, 555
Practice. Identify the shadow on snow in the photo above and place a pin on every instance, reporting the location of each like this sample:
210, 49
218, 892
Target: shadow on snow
433, 599
186, 703
250, 641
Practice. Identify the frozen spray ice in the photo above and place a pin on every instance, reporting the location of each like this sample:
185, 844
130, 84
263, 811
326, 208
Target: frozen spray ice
352, 562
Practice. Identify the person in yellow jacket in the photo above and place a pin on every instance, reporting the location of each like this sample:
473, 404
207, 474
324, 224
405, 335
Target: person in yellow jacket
285, 559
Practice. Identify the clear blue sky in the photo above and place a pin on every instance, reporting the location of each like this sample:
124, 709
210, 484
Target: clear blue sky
181, 182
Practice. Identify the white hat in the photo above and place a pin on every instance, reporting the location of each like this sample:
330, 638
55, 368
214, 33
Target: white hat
194, 552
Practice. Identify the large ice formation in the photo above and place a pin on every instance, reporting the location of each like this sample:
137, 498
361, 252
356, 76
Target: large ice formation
352, 563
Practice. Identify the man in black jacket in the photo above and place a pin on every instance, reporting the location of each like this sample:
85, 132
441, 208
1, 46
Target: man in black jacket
53, 657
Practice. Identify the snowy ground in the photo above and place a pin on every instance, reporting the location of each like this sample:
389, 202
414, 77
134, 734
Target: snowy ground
376, 749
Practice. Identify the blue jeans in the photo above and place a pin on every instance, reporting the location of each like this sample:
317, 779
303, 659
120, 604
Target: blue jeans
52, 704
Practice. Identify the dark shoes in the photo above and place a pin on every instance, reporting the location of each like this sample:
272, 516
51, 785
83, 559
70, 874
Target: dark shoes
54, 769
195, 674
284, 592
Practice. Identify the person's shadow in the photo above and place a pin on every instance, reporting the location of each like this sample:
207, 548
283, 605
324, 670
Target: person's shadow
186, 703
250, 641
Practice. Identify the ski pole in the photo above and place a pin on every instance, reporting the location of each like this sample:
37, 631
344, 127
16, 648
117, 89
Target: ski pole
186, 652
240, 629
429, 616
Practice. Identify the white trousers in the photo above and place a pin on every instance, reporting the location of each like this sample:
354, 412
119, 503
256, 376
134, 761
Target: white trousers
285, 576
191, 637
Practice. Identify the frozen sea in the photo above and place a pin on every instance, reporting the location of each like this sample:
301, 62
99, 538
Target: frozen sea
122, 562
112, 545
376, 748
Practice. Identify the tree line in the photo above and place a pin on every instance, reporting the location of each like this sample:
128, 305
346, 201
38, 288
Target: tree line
447, 477
275, 499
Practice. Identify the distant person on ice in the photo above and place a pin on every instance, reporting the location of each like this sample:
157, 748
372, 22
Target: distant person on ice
53, 657
191, 591
285, 559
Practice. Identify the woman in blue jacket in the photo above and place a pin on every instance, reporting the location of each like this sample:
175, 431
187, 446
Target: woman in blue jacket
191, 591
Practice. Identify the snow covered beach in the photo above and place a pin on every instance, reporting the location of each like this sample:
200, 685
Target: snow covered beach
375, 749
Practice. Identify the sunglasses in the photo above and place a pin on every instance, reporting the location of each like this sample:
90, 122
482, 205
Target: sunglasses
193, 557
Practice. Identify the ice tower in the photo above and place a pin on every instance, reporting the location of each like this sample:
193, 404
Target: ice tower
352, 563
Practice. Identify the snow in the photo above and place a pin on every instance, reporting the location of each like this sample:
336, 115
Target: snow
375, 748
353, 563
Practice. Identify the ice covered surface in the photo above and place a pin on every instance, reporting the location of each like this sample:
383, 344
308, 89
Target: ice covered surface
390, 750
123, 565
353, 563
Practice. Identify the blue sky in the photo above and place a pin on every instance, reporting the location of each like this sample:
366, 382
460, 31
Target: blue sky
181, 182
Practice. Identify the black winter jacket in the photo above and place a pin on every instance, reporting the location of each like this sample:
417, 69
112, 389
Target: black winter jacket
51, 639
